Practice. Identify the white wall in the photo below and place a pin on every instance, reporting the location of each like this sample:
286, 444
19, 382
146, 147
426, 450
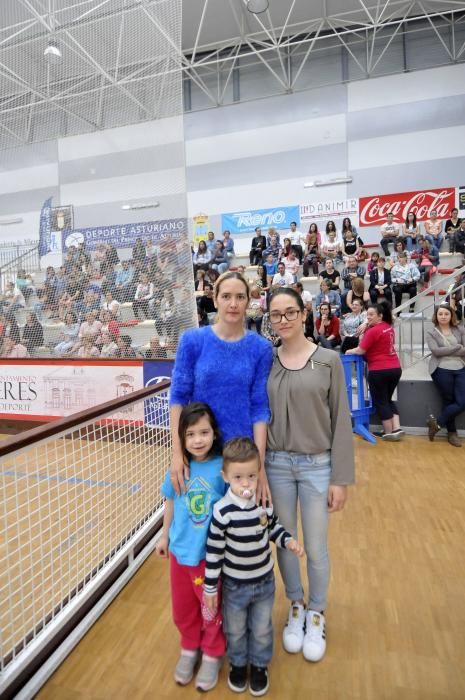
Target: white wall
391, 134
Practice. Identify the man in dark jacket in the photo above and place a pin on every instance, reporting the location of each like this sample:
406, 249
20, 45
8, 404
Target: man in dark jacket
258, 246
380, 283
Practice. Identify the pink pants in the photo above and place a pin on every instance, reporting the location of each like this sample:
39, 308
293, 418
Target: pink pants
186, 599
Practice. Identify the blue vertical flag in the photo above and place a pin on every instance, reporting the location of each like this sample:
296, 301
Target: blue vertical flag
45, 228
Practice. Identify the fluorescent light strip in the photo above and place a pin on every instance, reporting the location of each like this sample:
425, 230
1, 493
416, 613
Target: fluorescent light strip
150, 205
9, 222
332, 181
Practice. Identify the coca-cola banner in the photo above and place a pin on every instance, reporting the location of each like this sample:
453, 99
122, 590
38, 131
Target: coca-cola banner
373, 210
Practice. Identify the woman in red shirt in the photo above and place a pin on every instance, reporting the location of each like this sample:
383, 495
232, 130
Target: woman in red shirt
384, 372
327, 327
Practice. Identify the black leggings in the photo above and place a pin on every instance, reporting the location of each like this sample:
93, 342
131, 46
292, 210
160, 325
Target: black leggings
382, 383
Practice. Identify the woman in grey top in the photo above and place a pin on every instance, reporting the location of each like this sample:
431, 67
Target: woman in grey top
447, 368
309, 459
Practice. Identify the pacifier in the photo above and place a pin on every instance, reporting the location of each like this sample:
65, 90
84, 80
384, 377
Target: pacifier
247, 493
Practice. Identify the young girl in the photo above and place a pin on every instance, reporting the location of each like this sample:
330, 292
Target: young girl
185, 527
255, 309
260, 280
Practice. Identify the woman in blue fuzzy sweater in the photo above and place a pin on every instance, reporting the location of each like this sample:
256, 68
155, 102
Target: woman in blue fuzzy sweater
227, 368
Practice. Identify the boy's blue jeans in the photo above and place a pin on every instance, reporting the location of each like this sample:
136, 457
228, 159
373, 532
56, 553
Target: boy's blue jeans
247, 609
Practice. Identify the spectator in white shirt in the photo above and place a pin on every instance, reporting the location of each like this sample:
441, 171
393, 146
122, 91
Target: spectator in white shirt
202, 257
12, 299
297, 241
389, 232
331, 248
142, 297
331, 228
111, 305
282, 278
405, 276
291, 264
91, 326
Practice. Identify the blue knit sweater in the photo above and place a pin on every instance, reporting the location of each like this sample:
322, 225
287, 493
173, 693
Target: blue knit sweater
230, 376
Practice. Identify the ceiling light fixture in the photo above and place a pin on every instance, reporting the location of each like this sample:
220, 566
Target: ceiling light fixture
256, 7
331, 181
52, 51
9, 222
148, 205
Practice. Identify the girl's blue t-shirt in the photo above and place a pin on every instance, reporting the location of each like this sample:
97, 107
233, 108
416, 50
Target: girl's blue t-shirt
193, 510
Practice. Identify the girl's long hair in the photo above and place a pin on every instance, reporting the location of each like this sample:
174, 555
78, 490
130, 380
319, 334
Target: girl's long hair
190, 415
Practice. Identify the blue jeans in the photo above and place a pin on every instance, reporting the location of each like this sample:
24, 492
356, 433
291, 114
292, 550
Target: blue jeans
303, 479
451, 385
409, 243
247, 609
437, 241
220, 267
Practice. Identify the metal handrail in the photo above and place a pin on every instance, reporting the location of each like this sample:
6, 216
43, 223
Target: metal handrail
421, 316
12, 266
436, 286
12, 251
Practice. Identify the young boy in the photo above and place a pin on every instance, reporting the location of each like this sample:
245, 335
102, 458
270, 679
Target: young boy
271, 268
238, 548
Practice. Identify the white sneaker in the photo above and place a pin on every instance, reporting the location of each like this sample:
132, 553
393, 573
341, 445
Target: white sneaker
184, 670
207, 677
315, 636
293, 633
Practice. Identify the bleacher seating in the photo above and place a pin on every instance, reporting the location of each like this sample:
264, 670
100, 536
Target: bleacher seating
140, 331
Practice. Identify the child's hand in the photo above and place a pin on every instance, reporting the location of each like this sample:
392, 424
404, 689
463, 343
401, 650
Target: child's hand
211, 601
295, 547
161, 548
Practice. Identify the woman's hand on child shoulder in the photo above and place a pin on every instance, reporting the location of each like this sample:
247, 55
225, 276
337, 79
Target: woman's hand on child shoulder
293, 546
161, 548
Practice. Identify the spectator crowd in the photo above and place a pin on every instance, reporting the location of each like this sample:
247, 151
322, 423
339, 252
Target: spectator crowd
84, 299
77, 311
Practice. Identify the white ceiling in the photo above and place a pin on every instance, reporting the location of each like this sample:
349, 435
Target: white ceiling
126, 56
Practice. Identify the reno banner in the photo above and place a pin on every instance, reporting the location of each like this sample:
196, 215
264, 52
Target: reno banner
246, 221
373, 210
125, 235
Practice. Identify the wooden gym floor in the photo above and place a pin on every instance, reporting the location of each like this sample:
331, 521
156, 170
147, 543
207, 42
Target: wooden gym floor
396, 617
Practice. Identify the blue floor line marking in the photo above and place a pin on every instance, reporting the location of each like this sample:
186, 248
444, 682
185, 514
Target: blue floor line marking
132, 488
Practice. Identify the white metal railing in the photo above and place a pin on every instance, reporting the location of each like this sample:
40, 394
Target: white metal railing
18, 258
80, 503
411, 328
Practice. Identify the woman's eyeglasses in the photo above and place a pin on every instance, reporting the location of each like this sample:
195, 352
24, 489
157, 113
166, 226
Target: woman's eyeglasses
289, 315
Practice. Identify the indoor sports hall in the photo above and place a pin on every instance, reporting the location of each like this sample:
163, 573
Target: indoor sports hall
232, 238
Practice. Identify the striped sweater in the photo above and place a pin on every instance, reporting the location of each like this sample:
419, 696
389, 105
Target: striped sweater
238, 543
